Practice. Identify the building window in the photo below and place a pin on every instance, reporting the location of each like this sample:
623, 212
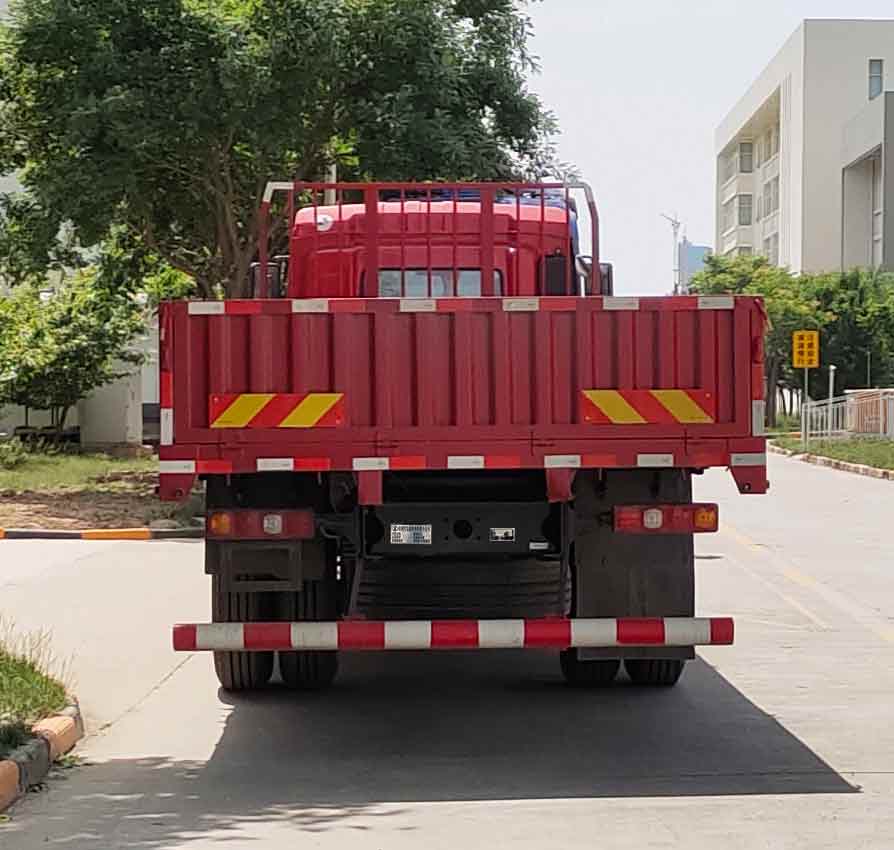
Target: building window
727, 216
771, 249
771, 143
745, 250
745, 208
746, 157
876, 77
728, 167
771, 196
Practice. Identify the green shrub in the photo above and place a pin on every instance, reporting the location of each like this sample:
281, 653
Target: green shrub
12, 453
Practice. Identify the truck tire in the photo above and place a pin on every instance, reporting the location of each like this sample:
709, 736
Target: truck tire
239, 671
310, 671
654, 672
587, 674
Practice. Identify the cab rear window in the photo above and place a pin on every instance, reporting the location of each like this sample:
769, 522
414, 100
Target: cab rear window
445, 283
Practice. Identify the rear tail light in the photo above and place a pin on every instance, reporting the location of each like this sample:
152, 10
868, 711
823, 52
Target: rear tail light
261, 525
665, 519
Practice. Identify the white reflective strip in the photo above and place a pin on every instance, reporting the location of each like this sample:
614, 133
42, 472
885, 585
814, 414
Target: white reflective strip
562, 461
371, 463
687, 631
611, 302
758, 418
418, 305
594, 633
408, 635
166, 433
655, 460
521, 305
716, 302
465, 462
501, 634
310, 305
176, 467
748, 459
315, 635
207, 308
275, 464
220, 636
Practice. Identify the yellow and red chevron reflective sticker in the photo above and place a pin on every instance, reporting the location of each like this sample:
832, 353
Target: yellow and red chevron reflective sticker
276, 410
647, 407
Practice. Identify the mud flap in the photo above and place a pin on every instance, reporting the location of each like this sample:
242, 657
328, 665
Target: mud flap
630, 575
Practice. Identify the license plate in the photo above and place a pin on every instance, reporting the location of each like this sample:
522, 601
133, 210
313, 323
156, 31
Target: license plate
411, 535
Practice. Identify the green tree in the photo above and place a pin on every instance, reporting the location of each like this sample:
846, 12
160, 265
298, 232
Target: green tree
790, 306
33, 242
857, 308
169, 116
56, 347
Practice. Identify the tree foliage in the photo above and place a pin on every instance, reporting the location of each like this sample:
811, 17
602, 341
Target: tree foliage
857, 309
56, 347
32, 241
854, 313
168, 116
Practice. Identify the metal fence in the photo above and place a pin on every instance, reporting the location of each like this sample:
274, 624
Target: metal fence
862, 413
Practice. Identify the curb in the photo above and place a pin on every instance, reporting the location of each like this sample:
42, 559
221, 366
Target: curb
832, 463
28, 765
102, 534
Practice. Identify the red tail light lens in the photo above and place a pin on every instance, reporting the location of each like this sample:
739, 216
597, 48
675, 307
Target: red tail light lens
261, 525
666, 519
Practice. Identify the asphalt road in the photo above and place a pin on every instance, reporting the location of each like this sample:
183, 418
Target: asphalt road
783, 741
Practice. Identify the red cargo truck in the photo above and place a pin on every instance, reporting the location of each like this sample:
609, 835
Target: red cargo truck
435, 426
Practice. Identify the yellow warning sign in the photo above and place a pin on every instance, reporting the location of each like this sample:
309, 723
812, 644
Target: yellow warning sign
805, 349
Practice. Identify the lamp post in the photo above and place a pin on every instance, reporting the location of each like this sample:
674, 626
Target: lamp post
831, 396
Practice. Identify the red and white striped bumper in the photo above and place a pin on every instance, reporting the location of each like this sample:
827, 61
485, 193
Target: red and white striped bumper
456, 634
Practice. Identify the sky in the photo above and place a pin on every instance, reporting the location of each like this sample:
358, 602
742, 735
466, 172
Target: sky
638, 87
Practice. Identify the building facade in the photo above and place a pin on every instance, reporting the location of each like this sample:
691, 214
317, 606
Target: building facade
784, 150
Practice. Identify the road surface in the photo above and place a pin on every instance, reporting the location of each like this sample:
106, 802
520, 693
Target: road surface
783, 741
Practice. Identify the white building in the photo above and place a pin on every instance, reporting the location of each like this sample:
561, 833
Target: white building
807, 134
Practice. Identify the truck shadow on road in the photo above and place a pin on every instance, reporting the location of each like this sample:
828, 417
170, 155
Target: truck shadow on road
456, 726
400, 729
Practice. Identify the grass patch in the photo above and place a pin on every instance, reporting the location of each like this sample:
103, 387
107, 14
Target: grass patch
30, 686
50, 473
877, 453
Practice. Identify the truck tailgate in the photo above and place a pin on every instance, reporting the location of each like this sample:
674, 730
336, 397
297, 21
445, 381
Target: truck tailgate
600, 379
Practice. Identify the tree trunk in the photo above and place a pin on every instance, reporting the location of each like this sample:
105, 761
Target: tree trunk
772, 391
60, 414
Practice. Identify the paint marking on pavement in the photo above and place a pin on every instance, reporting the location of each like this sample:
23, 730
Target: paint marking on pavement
862, 615
818, 621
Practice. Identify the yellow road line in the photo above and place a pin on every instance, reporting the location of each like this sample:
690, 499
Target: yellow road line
859, 613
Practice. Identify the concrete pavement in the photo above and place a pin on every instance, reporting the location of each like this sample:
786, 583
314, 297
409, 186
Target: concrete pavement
783, 740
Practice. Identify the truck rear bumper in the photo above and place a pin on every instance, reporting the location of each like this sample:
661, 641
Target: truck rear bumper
552, 633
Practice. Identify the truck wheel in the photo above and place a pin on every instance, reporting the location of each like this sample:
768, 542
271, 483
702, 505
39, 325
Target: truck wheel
587, 674
660, 672
309, 671
239, 671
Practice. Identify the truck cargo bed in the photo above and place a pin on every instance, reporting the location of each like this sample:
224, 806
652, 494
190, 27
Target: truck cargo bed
558, 382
